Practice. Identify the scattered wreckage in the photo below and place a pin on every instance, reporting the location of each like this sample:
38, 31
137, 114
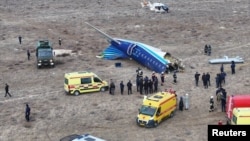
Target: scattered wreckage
226, 60
156, 6
153, 58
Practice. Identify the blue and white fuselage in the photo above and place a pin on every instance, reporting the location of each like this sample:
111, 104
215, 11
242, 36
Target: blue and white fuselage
146, 55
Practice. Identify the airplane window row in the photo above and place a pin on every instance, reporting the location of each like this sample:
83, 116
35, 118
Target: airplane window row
149, 59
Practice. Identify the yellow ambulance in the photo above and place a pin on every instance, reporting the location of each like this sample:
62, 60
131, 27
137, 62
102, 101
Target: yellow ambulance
241, 116
83, 82
156, 108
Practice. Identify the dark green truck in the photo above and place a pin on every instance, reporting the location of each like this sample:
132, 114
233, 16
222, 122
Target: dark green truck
44, 54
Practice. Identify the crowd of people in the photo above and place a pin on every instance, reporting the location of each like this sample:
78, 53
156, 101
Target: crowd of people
148, 85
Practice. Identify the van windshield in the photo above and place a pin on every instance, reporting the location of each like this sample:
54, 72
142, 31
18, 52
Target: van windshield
147, 110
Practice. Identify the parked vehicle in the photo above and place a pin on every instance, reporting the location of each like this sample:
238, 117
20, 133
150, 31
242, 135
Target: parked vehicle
44, 54
236, 101
156, 108
83, 82
241, 116
85, 137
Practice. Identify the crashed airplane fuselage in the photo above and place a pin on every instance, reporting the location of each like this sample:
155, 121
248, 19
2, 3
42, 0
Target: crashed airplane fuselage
146, 55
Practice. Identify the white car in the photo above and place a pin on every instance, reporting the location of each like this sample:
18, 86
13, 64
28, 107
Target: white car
85, 137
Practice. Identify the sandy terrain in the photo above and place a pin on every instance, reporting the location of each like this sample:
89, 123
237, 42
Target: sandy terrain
183, 32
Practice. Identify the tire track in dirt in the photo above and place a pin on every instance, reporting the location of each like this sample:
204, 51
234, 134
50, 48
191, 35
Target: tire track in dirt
47, 94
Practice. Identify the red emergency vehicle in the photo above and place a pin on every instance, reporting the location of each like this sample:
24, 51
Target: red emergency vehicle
236, 101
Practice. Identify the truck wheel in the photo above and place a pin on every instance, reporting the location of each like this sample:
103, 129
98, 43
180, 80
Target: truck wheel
102, 89
156, 123
171, 114
76, 93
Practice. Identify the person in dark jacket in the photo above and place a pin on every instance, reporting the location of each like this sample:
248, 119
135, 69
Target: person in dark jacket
138, 83
145, 85
141, 85
28, 54
233, 67
223, 104
112, 87
181, 104
155, 83
122, 87
175, 77
162, 78
208, 79
205, 49
7, 90
204, 79
223, 77
150, 86
222, 68
209, 50
60, 41
129, 85
196, 76
27, 113
20, 39
223, 100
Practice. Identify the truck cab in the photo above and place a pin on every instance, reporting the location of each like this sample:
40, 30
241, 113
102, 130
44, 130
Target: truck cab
156, 108
234, 102
44, 54
241, 116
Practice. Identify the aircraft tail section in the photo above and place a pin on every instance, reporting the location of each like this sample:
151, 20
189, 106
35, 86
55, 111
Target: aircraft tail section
110, 39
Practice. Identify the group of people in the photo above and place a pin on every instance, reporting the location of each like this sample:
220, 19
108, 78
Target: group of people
144, 84
221, 95
207, 50
27, 110
112, 87
205, 79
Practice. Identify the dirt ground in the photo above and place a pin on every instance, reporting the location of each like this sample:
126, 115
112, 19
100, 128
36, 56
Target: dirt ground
224, 24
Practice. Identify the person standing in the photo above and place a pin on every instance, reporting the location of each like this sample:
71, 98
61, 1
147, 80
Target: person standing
181, 104
122, 87
209, 50
205, 49
60, 41
138, 83
204, 79
233, 67
155, 83
211, 101
162, 78
223, 104
196, 76
28, 54
222, 68
141, 85
20, 39
208, 79
150, 86
27, 113
175, 77
223, 77
112, 88
7, 90
129, 85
